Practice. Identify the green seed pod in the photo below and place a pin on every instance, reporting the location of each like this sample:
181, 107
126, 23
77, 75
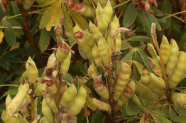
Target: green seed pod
89, 39
153, 53
63, 87
145, 92
155, 67
27, 4
45, 92
52, 89
101, 105
65, 65
178, 72
96, 55
146, 80
99, 12
47, 112
57, 30
171, 63
77, 29
126, 95
35, 106
37, 89
41, 2
24, 77
165, 50
123, 78
179, 99
8, 101
43, 120
32, 70
105, 18
62, 52
114, 25
52, 61
95, 31
18, 99
159, 82
68, 96
52, 105
80, 38
7, 118
92, 72
75, 107
21, 119
24, 110
103, 52
101, 89
36, 119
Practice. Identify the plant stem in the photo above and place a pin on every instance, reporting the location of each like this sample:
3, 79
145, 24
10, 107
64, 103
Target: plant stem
29, 36
121, 4
176, 17
12, 27
9, 85
175, 14
32, 104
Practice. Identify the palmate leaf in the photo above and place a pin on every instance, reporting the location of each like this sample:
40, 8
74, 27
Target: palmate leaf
11, 40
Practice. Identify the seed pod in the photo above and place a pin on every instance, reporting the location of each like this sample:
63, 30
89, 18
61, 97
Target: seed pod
27, 4
103, 52
24, 110
63, 87
65, 65
96, 55
32, 70
68, 96
62, 52
155, 67
92, 72
99, 12
114, 25
52, 61
77, 29
43, 120
37, 89
57, 30
146, 80
52, 105
95, 31
105, 18
21, 119
158, 81
173, 57
36, 119
35, 106
41, 2
123, 78
101, 105
178, 72
126, 95
18, 99
75, 107
80, 38
153, 53
165, 50
7, 118
52, 89
8, 101
89, 39
145, 92
47, 112
24, 77
101, 89
179, 99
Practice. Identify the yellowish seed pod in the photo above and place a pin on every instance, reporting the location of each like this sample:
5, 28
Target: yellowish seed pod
63, 87
179, 99
37, 89
155, 67
21, 119
52, 61
92, 72
32, 70
43, 120
7, 118
158, 81
153, 53
62, 52
52, 89
8, 100
101, 105
18, 99
65, 65
178, 72
99, 12
103, 52
101, 89
126, 95
145, 92
24, 110
36, 119
123, 78
52, 105
165, 49
27, 4
35, 106
96, 55
68, 96
89, 39
95, 31
41, 2
77, 29
75, 107
171, 63
24, 77
47, 112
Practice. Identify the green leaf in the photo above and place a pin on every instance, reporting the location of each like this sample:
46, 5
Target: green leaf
128, 56
98, 117
14, 7
128, 20
13, 52
166, 8
12, 59
79, 19
44, 39
139, 66
10, 34
160, 118
183, 39
14, 23
125, 45
68, 78
140, 38
12, 91
4, 64
180, 118
158, 13
82, 53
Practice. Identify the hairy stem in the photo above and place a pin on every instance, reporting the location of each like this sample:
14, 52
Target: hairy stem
32, 104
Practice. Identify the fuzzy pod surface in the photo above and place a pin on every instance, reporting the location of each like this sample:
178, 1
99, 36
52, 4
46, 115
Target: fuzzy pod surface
65, 64
96, 55
62, 52
179, 99
153, 53
155, 67
7, 118
47, 112
101, 105
92, 72
52, 105
24, 77
103, 52
52, 61
165, 49
8, 101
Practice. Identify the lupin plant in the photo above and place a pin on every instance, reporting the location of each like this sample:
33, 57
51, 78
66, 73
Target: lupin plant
111, 87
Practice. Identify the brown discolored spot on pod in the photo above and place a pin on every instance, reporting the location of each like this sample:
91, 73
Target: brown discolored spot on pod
78, 35
58, 31
49, 83
70, 3
127, 91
